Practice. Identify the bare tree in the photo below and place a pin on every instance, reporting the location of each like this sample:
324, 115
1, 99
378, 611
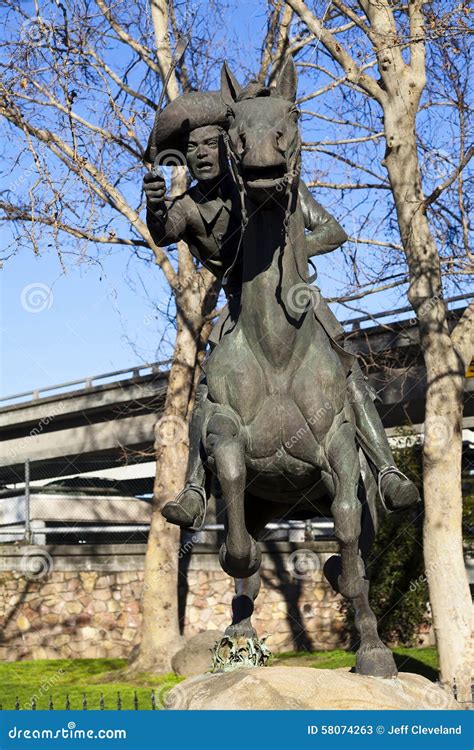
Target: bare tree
377, 50
79, 82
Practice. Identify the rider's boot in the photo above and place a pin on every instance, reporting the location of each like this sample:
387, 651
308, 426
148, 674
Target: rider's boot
397, 492
188, 510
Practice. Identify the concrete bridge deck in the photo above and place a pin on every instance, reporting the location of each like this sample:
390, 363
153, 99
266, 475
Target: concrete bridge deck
108, 420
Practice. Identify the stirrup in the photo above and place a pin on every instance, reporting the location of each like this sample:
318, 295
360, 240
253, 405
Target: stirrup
201, 491
384, 473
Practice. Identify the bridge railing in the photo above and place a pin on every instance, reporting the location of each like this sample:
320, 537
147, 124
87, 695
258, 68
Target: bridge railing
158, 367
153, 368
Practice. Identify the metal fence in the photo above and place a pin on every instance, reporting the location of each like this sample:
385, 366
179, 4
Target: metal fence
87, 704
95, 510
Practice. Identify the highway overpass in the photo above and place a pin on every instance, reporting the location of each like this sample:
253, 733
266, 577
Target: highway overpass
106, 421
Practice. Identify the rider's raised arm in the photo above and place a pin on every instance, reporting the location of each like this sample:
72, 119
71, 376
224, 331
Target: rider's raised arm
324, 231
167, 222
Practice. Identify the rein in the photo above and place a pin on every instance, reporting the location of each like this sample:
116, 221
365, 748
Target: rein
241, 190
291, 192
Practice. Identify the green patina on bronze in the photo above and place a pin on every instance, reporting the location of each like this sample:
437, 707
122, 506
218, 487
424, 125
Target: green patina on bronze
284, 417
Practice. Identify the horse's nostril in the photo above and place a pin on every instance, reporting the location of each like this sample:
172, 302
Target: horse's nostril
279, 138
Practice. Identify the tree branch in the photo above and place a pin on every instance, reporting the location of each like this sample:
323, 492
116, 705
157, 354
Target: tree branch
463, 335
353, 72
447, 183
15, 213
124, 36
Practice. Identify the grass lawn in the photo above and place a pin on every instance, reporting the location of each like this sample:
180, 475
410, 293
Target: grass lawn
62, 677
422, 661
96, 677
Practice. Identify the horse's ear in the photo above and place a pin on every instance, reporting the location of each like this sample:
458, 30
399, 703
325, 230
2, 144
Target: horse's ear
230, 87
287, 80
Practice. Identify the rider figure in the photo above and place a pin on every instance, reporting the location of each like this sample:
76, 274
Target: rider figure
208, 218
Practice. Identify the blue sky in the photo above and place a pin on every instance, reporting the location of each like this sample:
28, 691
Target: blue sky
101, 315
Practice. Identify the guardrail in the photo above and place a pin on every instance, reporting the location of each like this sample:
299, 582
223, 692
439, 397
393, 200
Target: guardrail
156, 367
90, 382
27, 531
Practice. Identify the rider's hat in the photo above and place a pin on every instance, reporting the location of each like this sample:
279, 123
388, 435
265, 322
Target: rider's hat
184, 114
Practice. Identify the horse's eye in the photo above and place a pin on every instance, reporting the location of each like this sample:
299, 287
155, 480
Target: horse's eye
294, 114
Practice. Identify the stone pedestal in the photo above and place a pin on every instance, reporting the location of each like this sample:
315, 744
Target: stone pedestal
304, 688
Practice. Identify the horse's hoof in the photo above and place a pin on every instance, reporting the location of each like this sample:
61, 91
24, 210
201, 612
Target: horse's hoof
376, 661
241, 566
241, 630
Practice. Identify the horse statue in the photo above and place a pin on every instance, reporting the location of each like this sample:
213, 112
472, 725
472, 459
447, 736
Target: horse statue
278, 430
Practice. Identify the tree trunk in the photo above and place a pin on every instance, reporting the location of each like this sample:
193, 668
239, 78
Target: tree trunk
160, 633
444, 560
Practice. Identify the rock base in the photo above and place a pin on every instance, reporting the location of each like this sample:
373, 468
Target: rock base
196, 655
305, 688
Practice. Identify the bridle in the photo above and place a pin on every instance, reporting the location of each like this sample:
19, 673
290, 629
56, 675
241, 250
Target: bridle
291, 179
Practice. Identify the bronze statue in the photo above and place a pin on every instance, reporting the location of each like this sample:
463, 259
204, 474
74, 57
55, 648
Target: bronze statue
277, 369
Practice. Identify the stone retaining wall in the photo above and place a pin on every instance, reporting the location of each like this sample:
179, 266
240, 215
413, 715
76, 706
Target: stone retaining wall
84, 601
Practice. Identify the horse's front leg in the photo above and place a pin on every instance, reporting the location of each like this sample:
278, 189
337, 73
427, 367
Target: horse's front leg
239, 556
346, 508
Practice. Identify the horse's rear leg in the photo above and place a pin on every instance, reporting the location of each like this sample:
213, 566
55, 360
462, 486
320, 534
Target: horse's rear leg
348, 576
239, 555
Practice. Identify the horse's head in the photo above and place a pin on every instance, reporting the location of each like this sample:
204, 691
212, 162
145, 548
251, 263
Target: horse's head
263, 130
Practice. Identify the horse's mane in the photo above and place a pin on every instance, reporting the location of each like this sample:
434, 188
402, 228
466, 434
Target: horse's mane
252, 90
